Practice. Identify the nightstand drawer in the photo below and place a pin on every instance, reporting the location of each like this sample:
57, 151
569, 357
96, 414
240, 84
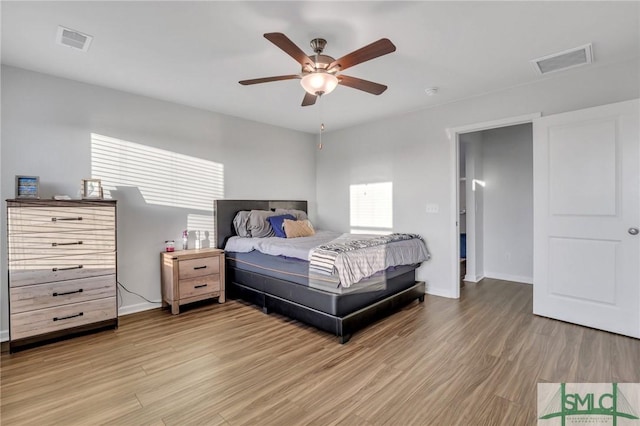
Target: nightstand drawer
197, 286
41, 296
53, 319
198, 267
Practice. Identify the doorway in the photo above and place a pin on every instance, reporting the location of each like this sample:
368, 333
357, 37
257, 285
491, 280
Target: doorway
496, 204
470, 178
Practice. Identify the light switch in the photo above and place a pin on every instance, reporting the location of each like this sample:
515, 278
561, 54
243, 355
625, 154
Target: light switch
433, 208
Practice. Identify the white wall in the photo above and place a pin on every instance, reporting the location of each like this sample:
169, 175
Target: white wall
413, 151
46, 127
507, 162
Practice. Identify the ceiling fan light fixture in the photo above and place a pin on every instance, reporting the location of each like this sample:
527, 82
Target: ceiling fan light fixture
319, 83
318, 76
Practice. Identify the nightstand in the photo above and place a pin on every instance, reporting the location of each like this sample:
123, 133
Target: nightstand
192, 275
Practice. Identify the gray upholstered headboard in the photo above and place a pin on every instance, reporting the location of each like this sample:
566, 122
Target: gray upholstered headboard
225, 210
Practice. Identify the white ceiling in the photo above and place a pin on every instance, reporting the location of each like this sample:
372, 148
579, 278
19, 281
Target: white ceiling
194, 53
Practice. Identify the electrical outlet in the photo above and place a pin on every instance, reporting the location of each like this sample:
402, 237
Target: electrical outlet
432, 208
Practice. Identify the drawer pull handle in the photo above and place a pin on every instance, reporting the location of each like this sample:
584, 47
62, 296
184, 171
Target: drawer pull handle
68, 292
201, 286
75, 243
69, 317
55, 219
200, 267
67, 269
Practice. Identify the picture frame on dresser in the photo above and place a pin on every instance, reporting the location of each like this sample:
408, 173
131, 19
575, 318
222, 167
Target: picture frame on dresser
27, 187
92, 189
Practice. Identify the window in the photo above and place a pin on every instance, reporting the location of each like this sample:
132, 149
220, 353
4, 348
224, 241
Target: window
371, 208
163, 177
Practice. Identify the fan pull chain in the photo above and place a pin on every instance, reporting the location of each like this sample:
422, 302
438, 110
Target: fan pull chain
321, 123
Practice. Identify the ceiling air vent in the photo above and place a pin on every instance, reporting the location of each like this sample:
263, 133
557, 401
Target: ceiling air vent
571, 58
74, 39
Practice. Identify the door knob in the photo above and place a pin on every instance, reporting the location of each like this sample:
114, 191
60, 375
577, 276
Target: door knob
634, 231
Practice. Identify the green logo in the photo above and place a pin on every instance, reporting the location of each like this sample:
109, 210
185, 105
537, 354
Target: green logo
588, 403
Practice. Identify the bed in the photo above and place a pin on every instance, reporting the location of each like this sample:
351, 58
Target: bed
267, 282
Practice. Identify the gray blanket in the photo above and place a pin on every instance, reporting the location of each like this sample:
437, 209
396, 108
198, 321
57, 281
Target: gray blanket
355, 257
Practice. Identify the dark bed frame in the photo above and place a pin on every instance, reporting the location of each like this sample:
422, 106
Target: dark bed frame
241, 284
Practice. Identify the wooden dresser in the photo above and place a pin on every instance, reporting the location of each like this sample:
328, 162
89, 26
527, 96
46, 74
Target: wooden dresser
192, 275
62, 268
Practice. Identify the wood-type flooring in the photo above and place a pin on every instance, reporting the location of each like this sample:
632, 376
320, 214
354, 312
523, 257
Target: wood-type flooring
472, 361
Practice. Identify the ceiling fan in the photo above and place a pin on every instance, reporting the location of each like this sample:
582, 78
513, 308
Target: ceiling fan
321, 73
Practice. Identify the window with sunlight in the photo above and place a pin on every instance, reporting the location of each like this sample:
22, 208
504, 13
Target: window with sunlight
163, 177
371, 208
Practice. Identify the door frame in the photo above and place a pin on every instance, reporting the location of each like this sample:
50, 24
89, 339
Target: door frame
453, 133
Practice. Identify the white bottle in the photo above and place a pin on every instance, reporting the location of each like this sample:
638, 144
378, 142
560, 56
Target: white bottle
198, 242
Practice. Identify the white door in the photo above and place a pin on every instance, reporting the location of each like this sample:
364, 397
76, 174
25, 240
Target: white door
586, 215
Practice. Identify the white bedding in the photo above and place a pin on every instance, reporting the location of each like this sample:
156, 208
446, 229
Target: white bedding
298, 248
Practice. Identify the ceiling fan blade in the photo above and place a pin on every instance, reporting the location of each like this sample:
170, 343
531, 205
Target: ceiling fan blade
370, 51
268, 79
309, 99
290, 48
360, 84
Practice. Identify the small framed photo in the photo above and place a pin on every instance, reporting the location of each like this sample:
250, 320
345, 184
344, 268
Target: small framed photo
27, 186
91, 189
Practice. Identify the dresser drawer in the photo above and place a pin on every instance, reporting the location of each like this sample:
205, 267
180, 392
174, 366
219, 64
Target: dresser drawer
53, 244
32, 323
56, 219
198, 267
193, 287
41, 296
46, 270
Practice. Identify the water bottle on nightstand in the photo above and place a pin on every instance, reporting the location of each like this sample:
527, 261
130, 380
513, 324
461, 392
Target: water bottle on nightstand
185, 239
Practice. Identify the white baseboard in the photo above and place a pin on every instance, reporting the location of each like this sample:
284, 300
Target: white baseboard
508, 277
4, 335
435, 291
472, 279
132, 309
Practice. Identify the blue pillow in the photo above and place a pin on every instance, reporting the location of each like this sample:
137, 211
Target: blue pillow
277, 222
